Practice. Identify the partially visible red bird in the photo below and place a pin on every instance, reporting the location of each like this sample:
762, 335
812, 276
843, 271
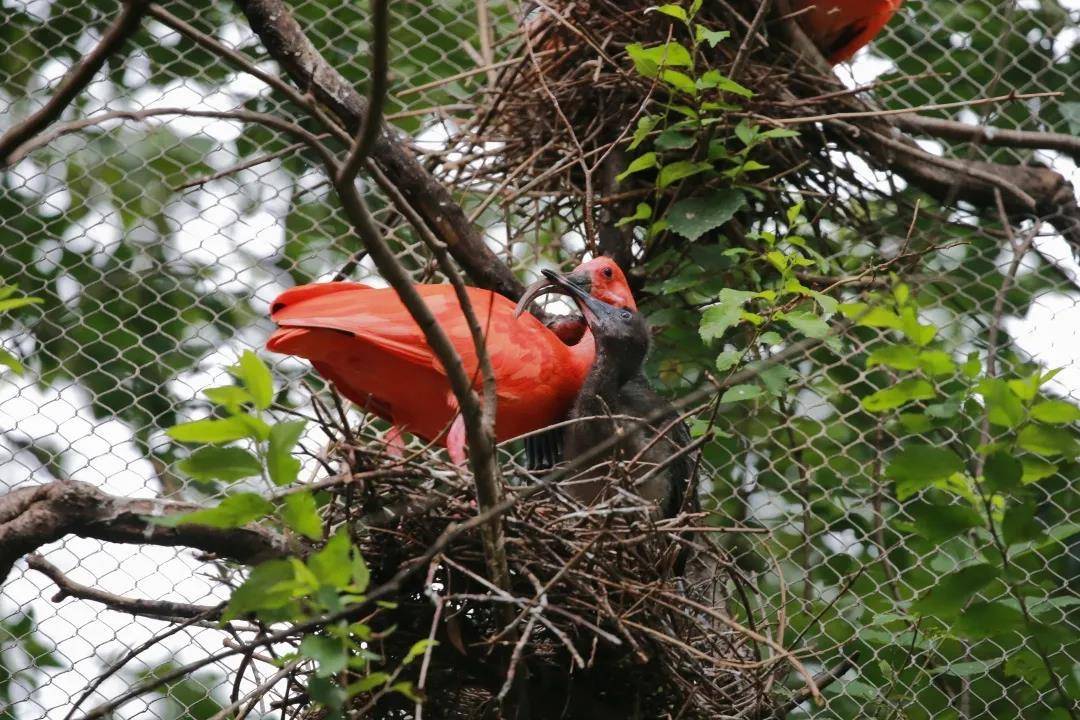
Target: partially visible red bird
365, 341
841, 27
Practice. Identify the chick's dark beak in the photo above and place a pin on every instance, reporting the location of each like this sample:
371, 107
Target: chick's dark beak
594, 310
546, 286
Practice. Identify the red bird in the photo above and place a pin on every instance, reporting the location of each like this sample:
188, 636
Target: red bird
365, 341
841, 27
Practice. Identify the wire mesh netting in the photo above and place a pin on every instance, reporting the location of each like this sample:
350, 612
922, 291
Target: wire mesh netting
157, 240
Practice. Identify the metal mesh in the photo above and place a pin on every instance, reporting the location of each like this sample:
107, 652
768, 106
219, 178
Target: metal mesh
97, 224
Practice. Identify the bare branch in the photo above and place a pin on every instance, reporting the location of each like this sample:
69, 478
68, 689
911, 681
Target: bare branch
992, 136
76, 79
33, 516
135, 606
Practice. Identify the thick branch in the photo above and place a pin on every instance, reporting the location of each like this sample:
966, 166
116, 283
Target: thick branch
286, 42
76, 79
992, 136
136, 606
34, 516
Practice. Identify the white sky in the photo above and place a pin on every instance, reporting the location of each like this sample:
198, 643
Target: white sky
220, 232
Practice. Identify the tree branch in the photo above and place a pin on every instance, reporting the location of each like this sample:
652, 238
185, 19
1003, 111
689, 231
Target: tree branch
76, 79
993, 136
286, 42
34, 516
971, 181
136, 606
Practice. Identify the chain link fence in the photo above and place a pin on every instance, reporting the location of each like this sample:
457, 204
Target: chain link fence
157, 244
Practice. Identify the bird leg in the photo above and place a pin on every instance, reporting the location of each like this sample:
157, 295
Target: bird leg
455, 440
395, 443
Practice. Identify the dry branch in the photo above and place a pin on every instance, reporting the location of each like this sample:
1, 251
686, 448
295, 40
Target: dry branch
34, 516
66, 587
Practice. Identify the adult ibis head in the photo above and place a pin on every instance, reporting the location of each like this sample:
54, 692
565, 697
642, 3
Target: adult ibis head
601, 277
621, 333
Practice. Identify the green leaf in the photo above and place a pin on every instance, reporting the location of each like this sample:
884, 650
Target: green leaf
301, 514
936, 362
728, 311
328, 652
1048, 441
213, 431
680, 81
680, 170
332, 565
919, 466
419, 648
269, 587
1036, 469
915, 331
234, 511
898, 357
728, 359
674, 11
949, 594
229, 397
694, 217
643, 212
1002, 472
1056, 412
865, 316
712, 37
807, 323
897, 395
642, 162
673, 139
1029, 667
644, 126
648, 61
938, 523
369, 683
1020, 525
987, 619
280, 463
361, 576
407, 689
227, 464
728, 85
11, 362
739, 393
1003, 408
15, 303
256, 378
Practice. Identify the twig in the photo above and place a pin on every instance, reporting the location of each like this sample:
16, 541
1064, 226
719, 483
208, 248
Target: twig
135, 606
371, 123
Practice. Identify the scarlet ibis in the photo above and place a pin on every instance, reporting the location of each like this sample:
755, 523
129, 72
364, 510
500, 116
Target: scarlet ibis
614, 398
365, 341
841, 27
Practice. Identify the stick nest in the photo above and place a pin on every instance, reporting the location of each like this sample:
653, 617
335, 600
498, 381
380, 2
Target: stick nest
598, 623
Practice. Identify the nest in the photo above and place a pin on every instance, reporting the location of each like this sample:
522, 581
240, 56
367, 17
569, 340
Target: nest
598, 621
548, 140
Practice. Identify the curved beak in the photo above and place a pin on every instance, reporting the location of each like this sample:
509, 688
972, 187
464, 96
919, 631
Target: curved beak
547, 285
590, 307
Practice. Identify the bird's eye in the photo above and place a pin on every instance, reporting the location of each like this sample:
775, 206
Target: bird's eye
626, 315
608, 272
